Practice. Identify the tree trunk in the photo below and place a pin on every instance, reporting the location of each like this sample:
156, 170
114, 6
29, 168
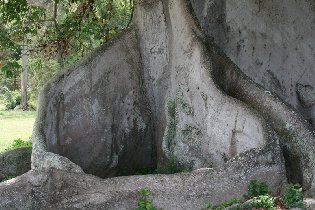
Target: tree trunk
273, 55
24, 103
161, 94
184, 116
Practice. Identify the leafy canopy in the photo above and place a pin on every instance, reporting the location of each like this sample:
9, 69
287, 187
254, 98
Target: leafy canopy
56, 35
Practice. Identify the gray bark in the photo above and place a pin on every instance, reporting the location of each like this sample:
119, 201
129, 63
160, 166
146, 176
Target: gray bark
160, 92
24, 103
272, 42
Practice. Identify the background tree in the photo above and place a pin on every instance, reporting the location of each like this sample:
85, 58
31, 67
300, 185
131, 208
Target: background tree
56, 36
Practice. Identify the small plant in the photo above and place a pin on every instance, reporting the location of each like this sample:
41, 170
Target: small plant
256, 189
145, 202
223, 205
243, 206
228, 204
293, 197
170, 168
264, 202
260, 199
8, 178
18, 143
209, 206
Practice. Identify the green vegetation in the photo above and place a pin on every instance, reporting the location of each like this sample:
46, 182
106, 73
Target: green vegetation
51, 38
7, 178
145, 202
293, 197
263, 202
19, 143
223, 205
9, 99
15, 125
209, 205
256, 189
170, 168
228, 203
260, 198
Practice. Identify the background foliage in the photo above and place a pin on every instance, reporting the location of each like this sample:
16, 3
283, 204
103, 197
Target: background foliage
56, 36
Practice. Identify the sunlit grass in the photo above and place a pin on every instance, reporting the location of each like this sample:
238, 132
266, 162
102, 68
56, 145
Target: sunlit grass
15, 125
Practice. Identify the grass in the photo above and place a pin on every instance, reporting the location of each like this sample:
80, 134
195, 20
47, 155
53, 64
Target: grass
15, 125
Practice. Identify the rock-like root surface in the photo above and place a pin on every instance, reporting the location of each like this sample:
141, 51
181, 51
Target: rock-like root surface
97, 114
60, 189
15, 162
198, 125
297, 138
149, 97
